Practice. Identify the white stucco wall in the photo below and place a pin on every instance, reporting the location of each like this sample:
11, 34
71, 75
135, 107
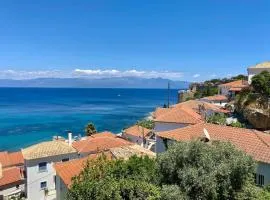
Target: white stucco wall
61, 189
163, 126
34, 177
224, 90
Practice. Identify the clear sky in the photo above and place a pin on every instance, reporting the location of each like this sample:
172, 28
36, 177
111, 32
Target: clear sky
190, 40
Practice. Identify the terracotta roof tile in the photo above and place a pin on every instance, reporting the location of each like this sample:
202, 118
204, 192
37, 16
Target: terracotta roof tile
68, 170
104, 134
216, 98
11, 159
254, 143
237, 84
137, 131
46, 149
91, 144
179, 115
10, 175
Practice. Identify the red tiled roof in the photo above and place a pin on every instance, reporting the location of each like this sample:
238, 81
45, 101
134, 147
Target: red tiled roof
254, 143
216, 98
11, 159
67, 170
104, 134
179, 115
10, 175
236, 89
238, 83
195, 104
91, 144
137, 131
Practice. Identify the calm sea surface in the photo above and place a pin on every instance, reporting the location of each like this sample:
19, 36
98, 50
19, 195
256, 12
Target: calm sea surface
31, 115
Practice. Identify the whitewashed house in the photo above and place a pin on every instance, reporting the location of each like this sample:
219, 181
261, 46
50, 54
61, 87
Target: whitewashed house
232, 88
254, 143
256, 69
140, 135
40, 174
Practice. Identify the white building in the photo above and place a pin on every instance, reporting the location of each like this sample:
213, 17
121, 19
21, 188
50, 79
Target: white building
254, 143
40, 174
140, 135
232, 88
253, 70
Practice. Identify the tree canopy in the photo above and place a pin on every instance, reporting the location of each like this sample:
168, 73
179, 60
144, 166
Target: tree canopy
90, 129
105, 179
261, 83
188, 170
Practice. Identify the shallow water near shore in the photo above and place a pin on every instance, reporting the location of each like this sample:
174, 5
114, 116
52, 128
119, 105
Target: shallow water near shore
31, 115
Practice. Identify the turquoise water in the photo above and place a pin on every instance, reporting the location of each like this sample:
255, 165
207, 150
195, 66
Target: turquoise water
31, 115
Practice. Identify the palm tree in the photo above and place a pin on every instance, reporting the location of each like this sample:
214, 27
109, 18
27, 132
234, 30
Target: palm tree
90, 129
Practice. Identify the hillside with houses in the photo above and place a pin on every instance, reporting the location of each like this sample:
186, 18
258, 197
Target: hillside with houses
205, 133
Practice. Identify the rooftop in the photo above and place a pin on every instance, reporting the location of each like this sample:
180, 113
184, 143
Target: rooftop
261, 65
10, 175
95, 144
137, 130
128, 151
104, 134
11, 159
216, 98
236, 84
47, 149
254, 143
68, 170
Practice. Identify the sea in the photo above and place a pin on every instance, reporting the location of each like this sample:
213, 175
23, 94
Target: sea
32, 115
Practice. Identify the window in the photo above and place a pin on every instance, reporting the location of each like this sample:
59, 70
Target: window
259, 179
42, 167
43, 185
65, 159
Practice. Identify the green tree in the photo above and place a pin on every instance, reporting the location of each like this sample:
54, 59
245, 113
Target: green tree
261, 83
105, 179
149, 124
202, 171
90, 129
217, 118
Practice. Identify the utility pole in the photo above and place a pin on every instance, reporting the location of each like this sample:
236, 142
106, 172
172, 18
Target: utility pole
168, 94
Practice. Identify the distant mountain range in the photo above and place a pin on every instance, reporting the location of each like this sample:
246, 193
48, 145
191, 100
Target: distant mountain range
123, 82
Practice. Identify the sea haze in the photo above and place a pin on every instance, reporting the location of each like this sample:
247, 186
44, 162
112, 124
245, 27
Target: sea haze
31, 115
113, 82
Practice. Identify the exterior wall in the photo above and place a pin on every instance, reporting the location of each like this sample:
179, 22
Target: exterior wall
253, 71
34, 177
132, 138
162, 126
160, 144
224, 90
11, 190
264, 169
61, 189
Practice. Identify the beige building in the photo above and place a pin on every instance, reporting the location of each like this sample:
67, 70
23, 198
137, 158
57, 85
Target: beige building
256, 69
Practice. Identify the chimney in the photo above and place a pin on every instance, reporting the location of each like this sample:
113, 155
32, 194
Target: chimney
69, 138
1, 171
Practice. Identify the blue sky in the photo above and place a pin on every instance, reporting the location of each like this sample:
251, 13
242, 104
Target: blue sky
181, 40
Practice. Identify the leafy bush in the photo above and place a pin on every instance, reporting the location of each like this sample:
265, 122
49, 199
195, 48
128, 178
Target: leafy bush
202, 171
149, 124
